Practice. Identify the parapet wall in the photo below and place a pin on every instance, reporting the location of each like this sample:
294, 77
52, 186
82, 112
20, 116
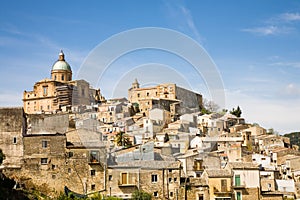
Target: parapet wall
42, 123
11, 119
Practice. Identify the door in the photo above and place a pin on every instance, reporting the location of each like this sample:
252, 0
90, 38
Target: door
124, 178
237, 180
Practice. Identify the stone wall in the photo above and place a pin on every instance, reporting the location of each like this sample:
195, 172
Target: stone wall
12, 126
49, 166
42, 123
82, 175
189, 99
167, 184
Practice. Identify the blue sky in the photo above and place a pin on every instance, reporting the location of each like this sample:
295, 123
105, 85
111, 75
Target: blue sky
254, 44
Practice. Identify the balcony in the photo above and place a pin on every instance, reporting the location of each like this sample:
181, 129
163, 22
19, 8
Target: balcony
197, 168
239, 186
128, 183
224, 192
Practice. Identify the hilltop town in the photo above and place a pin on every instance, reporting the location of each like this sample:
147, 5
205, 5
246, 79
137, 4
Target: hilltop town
161, 140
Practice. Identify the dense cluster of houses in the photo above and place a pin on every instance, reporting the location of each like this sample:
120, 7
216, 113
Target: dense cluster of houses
197, 156
68, 137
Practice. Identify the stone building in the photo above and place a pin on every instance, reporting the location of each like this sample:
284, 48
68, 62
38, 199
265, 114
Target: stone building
12, 127
44, 162
219, 183
50, 95
164, 96
145, 169
246, 180
86, 162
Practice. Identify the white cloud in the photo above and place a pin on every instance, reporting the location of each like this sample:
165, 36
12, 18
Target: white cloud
280, 24
287, 64
183, 18
268, 30
289, 17
292, 90
190, 22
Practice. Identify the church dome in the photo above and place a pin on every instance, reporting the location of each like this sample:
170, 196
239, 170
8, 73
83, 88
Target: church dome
61, 64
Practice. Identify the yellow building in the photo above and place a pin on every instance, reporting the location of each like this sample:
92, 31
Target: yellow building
164, 96
51, 95
219, 183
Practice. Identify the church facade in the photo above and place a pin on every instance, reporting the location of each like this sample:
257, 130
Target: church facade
59, 92
168, 96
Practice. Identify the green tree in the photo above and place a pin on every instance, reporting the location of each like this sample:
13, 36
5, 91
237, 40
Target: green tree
112, 198
237, 112
141, 195
122, 139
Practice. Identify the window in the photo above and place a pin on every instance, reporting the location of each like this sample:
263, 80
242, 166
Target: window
70, 154
223, 185
237, 180
94, 157
15, 140
93, 172
82, 92
269, 186
138, 95
93, 186
45, 90
53, 176
154, 178
171, 194
44, 161
110, 177
238, 196
69, 170
147, 94
170, 170
124, 178
155, 194
48, 107
175, 179
44, 144
170, 180
55, 77
62, 77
